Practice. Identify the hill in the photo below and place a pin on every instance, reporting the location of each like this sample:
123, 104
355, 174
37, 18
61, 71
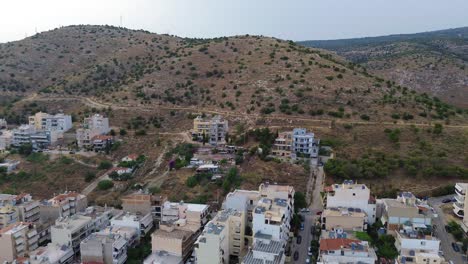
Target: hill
432, 62
244, 74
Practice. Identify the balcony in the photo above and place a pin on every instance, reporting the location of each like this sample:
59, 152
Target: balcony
458, 206
460, 199
460, 189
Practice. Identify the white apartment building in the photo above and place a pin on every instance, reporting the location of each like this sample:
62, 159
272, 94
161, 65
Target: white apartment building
91, 127
142, 223
8, 216
104, 248
51, 254
345, 250
415, 239
222, 238
352, 195
130, 234
304, 144
17, 240
39, 139
70, 231
194, 215
44, 121
214, 129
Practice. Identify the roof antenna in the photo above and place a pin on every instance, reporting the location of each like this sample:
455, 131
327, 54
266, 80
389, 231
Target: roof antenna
121, 18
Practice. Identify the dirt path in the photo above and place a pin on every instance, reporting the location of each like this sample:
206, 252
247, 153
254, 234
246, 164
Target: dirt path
323, 122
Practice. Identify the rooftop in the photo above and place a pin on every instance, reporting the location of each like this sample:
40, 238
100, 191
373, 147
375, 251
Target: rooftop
176, 233
52, 253
338, 243
13, 228
351, 212
250, 259
162, 257
72, 223
271, 246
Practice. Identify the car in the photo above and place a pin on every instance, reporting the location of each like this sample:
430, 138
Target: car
447, 200
302, 226
307, 210
309, 251
455, 247
302, 218
296, 255
307, 260
319, 213
298, 239
72, 152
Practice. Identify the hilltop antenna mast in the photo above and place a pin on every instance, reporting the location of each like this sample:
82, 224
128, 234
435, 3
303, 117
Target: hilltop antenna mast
121, 18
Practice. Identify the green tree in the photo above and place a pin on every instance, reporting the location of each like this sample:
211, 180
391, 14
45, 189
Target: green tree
105, 185
299, 201
105, 165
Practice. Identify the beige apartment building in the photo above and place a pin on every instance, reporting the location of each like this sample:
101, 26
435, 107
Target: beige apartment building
213, 129
345, 219
103, 248
283, 144
144, 204
175, 240
62, 205
51, 254
28, 209
17, 240
222, 238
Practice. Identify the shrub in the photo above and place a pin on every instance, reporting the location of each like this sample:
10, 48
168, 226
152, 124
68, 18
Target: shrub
105, 185
365, 117
105, 165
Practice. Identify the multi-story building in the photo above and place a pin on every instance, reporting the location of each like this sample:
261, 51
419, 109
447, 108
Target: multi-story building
28, 209
346, 219
415, 239
213, 129
143, 204
51, 254
304, 143
17, 240
91, 127
142, 223
345, 250
103, 248
194, 215
62, 205
460, 205
44, 121
406, 208
352, 195
6, 138
283, 145
130, 234
70, 231
222, 238
8, 216
39, 139
171, 243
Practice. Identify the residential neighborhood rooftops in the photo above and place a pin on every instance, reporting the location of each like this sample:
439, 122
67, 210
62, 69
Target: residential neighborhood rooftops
338, 243
14, 227
351, 212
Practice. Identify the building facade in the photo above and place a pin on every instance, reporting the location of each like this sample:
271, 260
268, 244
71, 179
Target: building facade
103, 248
213, 129
17, 240
44, 121
92, 126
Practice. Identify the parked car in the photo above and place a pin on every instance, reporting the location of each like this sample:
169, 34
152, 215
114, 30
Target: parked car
319, 213
447, 200
447, 228
455, 247
302, 226
296, 255
298, 239
309, 252
307, 260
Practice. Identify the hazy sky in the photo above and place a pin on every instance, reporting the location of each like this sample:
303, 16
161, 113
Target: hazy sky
287, 19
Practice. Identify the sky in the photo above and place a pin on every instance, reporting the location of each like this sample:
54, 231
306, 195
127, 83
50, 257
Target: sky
286, 19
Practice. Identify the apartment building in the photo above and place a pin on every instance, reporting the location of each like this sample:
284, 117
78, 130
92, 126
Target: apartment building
62, 205
194, 215
352, 195
17, 240
422, 258
345, 250
44, 121
222, 238
70, 231
406, 208
413, 240
100, 216
8, 216
51, 254
39, 139
346, 219
28, 209
142, 223
91, 127
283, 145
130, 234
459, 206
143, 204
304, 144
6, 139
103, 248
213, 129
171, 243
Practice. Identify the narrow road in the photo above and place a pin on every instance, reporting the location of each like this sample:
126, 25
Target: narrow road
88, 189
446, 239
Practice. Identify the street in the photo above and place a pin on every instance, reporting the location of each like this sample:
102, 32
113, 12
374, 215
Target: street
315, 206
446, 239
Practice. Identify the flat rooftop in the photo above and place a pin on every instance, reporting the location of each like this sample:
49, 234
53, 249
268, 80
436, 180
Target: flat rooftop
340, 211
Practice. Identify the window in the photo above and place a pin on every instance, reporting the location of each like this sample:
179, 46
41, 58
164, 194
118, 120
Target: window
423, 243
